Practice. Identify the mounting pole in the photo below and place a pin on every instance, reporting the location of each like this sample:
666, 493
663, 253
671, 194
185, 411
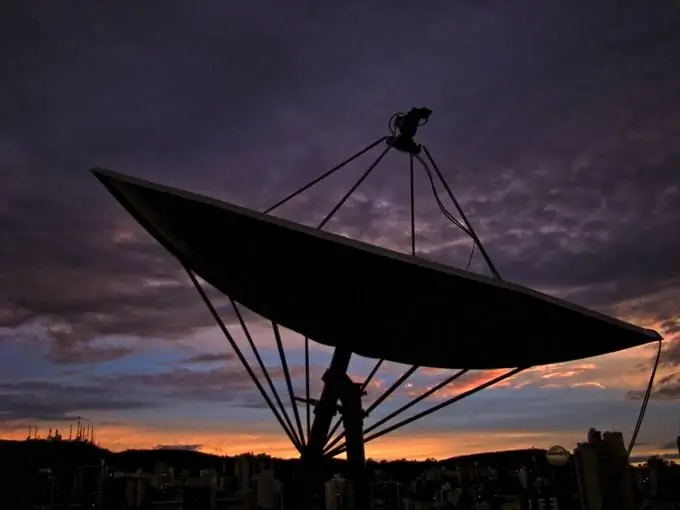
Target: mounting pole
353, 421
312, 456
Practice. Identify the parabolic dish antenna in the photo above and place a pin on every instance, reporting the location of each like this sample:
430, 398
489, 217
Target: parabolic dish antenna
361, 299
369, 300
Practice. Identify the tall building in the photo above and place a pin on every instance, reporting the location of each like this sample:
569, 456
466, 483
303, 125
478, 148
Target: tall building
339, 494
385, 495
243, 472
199, 497
603, 472
268, 490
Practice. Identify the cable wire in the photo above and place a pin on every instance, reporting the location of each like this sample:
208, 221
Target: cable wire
645, 399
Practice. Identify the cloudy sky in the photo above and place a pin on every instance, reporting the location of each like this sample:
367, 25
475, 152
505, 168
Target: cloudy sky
554, 121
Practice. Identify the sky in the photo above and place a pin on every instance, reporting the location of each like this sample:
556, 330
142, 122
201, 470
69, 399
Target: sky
555, 123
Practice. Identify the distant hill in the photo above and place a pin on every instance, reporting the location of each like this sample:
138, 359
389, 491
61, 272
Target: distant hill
525, 453
38, 454
181, 459
30, 456
503, 460
41, 454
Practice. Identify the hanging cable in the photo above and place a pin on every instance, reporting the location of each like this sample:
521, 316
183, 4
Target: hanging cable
435, 193
447, 214
452, 197
619, 473
645, 399
412, 200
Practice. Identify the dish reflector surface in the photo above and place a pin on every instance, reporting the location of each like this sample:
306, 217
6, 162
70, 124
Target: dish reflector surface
375, 302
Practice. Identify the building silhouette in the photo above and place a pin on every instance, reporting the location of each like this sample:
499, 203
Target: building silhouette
603, 472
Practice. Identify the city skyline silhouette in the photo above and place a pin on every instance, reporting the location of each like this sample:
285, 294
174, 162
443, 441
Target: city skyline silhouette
555, 126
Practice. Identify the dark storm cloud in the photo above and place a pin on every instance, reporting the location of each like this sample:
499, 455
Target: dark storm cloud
39, 400
670, 445
671, 355
185, 447
224, 384
210, 358
645, 458
43, 400
89, 85
559, 139
667, 388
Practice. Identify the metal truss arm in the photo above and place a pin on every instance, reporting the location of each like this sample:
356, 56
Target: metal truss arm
316, 432
378, 401
289, 382
413, 402
379, 363
263, 368
433, 409
364, 385
395, 386
323, 176
350, 191
326, 219
371, 374
412, 188
240, 356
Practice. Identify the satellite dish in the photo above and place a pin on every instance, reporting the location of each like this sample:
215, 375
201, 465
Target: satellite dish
367, 300
558, 456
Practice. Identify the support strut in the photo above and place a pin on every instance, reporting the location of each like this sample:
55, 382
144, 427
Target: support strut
338, 387
427, 412
394, 387
265, 372
353, 421
227, 334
